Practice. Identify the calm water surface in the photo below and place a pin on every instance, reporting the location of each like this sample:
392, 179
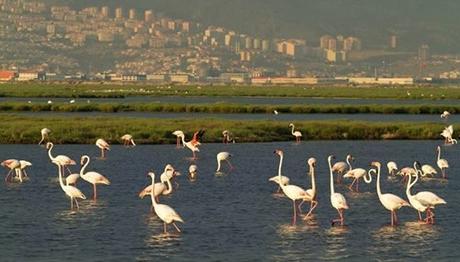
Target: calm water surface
234, 217
268, 117
238, 100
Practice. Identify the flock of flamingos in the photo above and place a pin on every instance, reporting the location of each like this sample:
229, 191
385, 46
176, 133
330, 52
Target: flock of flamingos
424, 201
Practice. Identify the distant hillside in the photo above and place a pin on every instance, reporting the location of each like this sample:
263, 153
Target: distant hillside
414, 21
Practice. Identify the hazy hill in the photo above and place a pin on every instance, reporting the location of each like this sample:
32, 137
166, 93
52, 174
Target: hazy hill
414, 21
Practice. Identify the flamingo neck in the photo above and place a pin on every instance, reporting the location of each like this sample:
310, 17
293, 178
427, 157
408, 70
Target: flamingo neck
331, 175
279, 171
82, 170
439, 153
292, 130
49, 152
169, 190
60, 177
313, 181
349, 164
218, 165
368, 177
409, 185
152, 193
183, 139
379, 193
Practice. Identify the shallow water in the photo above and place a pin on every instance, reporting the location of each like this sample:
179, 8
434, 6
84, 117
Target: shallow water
268, 117
227, 218
237, 100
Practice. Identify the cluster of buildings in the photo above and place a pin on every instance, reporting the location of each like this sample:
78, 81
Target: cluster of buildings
144, 45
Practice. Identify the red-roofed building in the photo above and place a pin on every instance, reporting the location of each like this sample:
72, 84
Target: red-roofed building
6, 75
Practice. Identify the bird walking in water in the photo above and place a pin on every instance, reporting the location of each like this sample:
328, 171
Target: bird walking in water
340, 168
296, 134
311, 193
442, 163
62, 161
338, 201
127, 140
92, 177
13, 165
390, 201
70, 191
179, 134
45, 135
227, 137
103, 145
194, 143
166, 213
223, 156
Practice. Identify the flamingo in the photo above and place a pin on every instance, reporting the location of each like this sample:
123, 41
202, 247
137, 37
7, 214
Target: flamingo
275, 112
103, 145
192, 170
223, 156
164, 212
194, 143
23, 164
297, 134
356, 174
442, 163
423, 201
389, 201
338, 201
284, 180
312, 191
70, 191
45, 135
92, 177
447, 133
160, 188
72, 179
428, 170
128, 139
61, 160
226, 137
341, 167
445, 115
291, 191
12, 164
178, 134
392, 168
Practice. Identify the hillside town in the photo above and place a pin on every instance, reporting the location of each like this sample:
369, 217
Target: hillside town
57, 43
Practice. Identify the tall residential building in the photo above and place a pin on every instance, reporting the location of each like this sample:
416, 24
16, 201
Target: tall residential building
324, 41
118, 13
332, 44
105, 11
393, 42
351, 43
132, 14
148, 16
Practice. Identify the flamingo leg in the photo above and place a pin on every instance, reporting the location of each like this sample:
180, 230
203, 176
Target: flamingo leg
420, 216
68, 170
164, 228
396, 217
294, 217
229, 164
339, 178
7, 175
300, 206
177, 142
76, 202
313, 205
71, 203
102, 153
194, 155
357, 185
94, 192
174, 224
351, 186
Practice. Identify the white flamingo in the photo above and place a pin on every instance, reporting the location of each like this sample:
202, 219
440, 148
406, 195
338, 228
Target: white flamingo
276, 179
92, 177
128, 139
164, 212
338, 201
296, 134
442, 163
161, 188
390, 201
392, 168
45, 135
103, 145
448, 133
311, 193
291, 191
341, 167
192, 144
356, 174
428, 170
13, 165
223, 156
62, 161
70, 191
192, 172
445, 115
423, 201
179, 134
23, 164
